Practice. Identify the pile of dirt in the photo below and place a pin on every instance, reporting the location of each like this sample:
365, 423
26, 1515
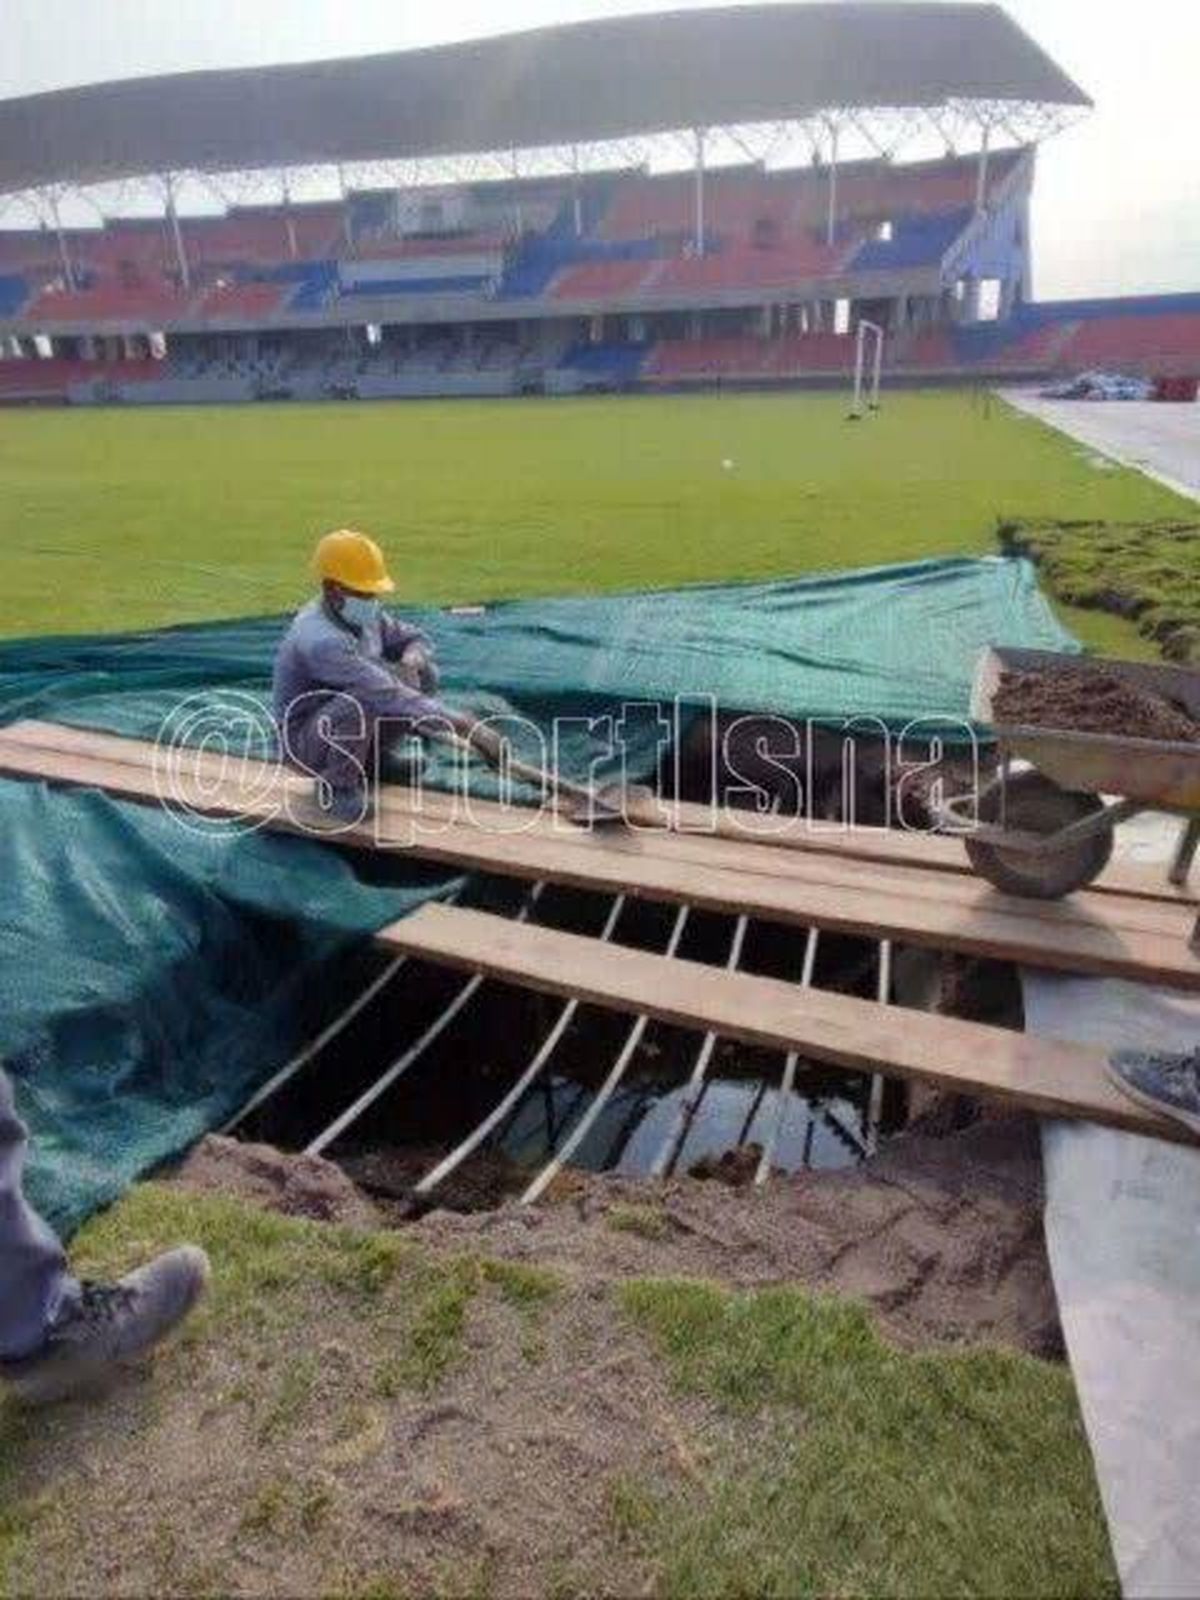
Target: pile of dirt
1090, 700
940, 1234
294, 1185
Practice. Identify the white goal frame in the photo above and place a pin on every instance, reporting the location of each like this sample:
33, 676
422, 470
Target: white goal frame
868, 369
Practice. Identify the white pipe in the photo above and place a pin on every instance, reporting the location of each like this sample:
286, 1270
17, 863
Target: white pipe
287, 1073
585, 1124
789, 1072
883, 994
514, 1096
414, 1051
677, 1133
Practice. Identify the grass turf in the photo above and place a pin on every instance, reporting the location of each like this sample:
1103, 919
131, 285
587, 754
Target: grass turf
855, 1469
1148, 572
271, 1441
118, 519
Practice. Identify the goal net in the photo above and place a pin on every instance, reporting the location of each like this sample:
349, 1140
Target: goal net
868, 369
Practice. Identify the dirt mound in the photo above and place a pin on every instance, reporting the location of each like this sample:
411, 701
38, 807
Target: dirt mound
1089, 700
941, 1234
296, 1185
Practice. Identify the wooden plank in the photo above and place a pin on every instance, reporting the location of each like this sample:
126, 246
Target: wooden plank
793, 837
399, 807
1098, 934
1040, 1075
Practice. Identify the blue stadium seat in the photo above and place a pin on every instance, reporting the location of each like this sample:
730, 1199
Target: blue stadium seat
14, 291
317, 284
916, 242
615, 362
473, 284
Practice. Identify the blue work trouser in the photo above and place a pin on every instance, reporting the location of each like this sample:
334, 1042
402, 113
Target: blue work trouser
338, 740
34, 1281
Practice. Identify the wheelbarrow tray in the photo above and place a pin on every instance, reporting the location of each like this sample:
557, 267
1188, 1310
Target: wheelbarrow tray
1157, 773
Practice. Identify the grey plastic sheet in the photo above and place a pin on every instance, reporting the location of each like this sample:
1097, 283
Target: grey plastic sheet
1123, 1234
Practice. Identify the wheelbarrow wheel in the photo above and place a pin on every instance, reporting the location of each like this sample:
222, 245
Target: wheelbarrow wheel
1030, 803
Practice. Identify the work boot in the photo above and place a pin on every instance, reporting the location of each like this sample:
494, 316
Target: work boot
108, 1325
1161, 1080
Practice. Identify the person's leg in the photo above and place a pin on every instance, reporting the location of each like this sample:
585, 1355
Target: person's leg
334, 742
59, 1337
35, 1285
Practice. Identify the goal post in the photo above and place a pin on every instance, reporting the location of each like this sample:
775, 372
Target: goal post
868, 369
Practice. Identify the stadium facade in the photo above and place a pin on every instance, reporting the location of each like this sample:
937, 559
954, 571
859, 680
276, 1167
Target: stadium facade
501, 217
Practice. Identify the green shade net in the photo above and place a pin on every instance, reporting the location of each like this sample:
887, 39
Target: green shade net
152, 976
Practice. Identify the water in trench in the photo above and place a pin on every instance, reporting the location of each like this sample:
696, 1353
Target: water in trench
458, 1081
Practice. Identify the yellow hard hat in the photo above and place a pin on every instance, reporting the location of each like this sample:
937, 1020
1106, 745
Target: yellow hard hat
354, 560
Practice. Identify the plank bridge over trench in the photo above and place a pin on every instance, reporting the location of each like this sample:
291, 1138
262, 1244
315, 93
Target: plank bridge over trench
889, 887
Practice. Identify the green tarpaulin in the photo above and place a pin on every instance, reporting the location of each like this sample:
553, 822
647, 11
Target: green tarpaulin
151, 975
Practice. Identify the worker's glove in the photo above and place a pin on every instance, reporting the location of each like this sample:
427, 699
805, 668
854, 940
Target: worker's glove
418, 669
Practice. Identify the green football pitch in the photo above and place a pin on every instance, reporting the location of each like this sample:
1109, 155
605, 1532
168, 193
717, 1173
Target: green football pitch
117, 519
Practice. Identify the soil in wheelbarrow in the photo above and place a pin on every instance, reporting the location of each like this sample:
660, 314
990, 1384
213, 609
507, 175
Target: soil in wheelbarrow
1090, 700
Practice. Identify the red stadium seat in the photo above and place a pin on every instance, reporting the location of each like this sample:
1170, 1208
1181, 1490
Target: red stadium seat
598, 280
1164, 344
50, 380
748, 358
144, 305
932, 351
745, 267
242, 300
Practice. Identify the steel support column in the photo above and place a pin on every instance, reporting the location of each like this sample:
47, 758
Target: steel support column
699, 147
831, 217
982, 175
185, 273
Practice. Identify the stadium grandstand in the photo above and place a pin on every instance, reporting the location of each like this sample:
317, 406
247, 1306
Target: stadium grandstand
713, 197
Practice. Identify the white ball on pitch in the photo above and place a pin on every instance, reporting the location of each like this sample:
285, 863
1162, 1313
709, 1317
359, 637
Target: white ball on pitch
727, 465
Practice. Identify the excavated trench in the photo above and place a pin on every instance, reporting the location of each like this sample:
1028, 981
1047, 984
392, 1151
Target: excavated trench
653, 1122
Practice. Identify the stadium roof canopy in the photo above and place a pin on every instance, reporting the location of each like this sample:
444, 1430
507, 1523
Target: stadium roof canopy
575, 84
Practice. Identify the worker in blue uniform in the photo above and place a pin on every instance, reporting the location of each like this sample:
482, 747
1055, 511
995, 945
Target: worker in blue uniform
349, 676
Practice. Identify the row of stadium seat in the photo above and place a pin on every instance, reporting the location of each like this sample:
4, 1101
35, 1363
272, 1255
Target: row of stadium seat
739, 202
50, 379
743, 206
1162, 344
748, 358
723, 268
919, 240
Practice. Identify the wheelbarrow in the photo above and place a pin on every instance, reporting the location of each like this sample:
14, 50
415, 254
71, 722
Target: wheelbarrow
1044, 826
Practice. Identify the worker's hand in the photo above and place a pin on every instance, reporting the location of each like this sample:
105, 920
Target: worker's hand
418, 669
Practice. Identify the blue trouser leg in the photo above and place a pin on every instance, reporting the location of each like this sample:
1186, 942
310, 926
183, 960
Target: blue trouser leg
34, 1281
336, 744
339, 742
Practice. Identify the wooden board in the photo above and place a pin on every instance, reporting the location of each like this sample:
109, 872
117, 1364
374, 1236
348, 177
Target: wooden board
1110, 934
1040, 1075
719, 832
